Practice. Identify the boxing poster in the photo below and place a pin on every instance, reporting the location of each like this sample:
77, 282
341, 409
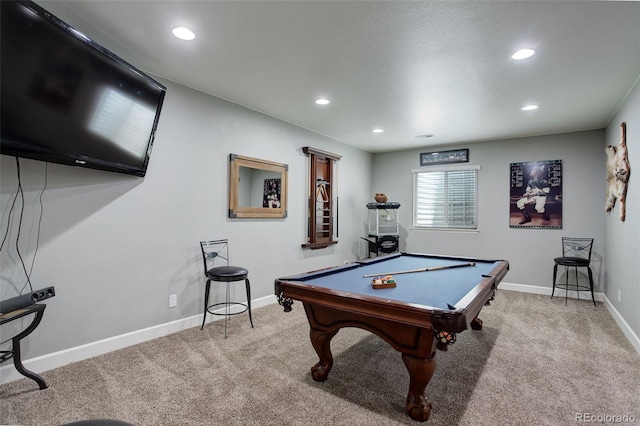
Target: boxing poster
272, 195
536, 195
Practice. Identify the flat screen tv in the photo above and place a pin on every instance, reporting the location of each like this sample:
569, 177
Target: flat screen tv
68, 100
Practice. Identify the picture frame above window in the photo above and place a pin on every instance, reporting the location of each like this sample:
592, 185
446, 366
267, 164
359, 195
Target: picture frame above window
444, 157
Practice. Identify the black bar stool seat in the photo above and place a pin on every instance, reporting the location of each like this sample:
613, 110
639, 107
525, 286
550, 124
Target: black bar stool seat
227, 273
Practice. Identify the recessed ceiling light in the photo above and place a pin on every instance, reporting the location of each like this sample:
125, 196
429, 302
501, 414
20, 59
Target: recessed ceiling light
378, 130
523, 54
322, 101
184, 33
529, 107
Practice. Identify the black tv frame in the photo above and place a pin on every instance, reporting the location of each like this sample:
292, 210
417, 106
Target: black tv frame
15, 146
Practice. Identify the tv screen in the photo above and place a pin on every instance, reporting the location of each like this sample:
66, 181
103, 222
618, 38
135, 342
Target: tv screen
68, 100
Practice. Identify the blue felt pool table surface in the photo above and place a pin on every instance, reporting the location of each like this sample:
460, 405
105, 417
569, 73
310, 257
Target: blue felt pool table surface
436, 289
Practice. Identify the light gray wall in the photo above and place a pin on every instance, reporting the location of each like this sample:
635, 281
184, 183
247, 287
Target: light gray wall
622, 273
530, 252
115, 247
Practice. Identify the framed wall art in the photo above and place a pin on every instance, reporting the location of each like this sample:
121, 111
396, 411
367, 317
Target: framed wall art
444, 157
257, 188
536, 195
272, 193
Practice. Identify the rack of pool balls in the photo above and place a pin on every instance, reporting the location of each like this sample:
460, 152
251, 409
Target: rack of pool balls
383, 281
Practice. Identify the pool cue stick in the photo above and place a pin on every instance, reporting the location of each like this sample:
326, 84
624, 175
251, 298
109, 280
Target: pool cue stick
409, 271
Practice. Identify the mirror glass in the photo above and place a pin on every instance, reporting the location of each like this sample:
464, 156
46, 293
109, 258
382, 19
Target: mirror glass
257, 188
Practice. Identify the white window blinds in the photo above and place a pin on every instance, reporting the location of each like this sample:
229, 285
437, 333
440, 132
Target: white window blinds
445, 198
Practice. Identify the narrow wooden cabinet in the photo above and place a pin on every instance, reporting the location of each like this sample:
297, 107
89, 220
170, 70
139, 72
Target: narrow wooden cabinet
321, 216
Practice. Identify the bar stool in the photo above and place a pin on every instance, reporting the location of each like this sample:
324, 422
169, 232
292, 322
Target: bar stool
219, 250
576, 253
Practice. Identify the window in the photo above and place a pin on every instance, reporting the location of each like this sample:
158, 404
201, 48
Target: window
446, 198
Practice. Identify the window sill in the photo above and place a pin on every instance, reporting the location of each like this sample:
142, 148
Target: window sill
448, 230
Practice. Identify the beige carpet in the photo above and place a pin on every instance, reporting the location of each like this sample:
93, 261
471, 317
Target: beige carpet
536, 362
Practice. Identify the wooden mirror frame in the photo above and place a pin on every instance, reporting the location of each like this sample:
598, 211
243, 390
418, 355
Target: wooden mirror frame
236, 211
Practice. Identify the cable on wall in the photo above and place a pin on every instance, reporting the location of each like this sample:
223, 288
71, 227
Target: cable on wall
13, 204
20, 191
35, 252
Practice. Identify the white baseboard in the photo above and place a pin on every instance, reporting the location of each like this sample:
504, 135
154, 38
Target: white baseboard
524, 288
58, 359
8, 373
624, 326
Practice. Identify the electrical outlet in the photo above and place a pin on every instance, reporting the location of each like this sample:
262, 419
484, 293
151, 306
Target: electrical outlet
619, 296
173, 300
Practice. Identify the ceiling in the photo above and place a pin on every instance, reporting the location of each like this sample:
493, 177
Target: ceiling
440, 68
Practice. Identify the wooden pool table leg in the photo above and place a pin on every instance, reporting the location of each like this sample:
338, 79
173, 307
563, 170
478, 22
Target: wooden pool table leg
420, 372
476, 324
321, 341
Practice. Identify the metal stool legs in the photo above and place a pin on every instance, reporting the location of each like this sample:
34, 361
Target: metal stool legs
566, 285
248, 288
593, 298
206, 302
227, 304
553, 288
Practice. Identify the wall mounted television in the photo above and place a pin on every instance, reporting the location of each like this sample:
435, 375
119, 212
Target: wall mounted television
66, 99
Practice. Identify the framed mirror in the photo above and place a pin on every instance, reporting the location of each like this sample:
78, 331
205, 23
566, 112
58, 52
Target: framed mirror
257, 188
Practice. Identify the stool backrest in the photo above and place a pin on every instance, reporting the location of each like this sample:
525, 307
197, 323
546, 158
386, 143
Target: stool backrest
577, 247
214, 250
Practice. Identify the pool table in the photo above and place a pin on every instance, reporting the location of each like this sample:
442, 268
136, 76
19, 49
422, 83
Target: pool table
435, 297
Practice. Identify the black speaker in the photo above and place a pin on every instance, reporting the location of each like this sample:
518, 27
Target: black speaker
45, 293
25, 300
